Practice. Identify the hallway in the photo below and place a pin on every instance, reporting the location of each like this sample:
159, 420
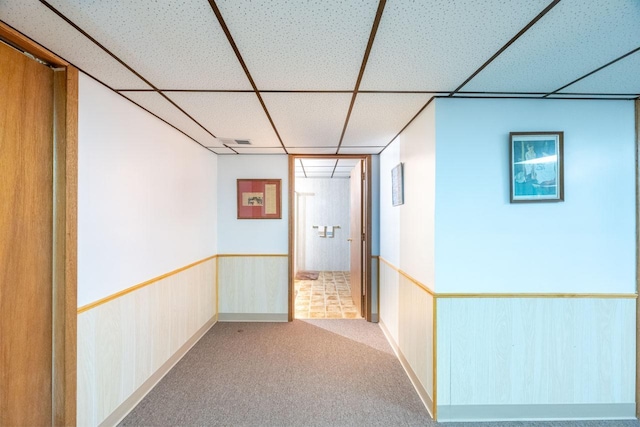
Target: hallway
303, 373
313, 372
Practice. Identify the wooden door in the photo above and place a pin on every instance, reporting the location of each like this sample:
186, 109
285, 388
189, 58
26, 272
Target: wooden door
26, 239
356, 233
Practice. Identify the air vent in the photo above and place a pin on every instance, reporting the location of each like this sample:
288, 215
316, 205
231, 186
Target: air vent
232, 141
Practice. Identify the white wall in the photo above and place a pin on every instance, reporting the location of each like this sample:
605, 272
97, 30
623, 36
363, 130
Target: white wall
252, 287
329, 206
146, 195
407, 231
251, 236
407, 244
584, 244
147, 206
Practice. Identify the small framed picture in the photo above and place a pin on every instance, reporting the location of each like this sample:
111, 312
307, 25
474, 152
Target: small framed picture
397, 185
259, 199
536, 162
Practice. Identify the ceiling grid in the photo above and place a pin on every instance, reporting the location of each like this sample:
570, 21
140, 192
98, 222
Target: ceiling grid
337, 76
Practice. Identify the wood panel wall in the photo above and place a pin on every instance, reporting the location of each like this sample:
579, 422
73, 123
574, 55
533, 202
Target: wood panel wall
253, 287
125, 341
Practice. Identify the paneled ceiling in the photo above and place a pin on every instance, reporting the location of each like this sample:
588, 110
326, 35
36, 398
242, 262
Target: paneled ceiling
333, 76
324, 167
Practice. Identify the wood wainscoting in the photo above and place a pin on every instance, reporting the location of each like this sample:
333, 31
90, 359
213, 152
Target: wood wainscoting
128, 341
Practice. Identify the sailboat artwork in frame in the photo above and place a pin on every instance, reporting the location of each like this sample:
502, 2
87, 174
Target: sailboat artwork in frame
536, 163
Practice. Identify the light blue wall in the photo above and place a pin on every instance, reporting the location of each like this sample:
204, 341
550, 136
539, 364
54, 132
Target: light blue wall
584, 244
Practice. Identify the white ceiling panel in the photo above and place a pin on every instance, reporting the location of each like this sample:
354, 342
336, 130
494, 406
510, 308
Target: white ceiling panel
348, 163
155, 103
312, 150
308, 119
259, 150
174, 45
573, 39
360, 150
222, 150
45, 27
301, 45
621, 77
378, 117
436, 44
591, 96
327, 162
497, 95
229, 115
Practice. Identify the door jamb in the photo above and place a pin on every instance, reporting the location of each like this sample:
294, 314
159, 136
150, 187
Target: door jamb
366, 274
65, 193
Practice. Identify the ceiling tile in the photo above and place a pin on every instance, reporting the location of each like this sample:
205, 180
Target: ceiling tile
174, 45
621, 77
301, 45
437, 44
573, 39
591, 96
45, 27
308, 119
222, 150
312, 150
497, 95
259, 150
348, 163
316, 163
229, 115
155, 103
378, 117
360, 150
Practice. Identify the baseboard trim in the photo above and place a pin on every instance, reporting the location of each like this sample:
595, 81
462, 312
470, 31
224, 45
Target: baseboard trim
598, 411
132, 401
253, 317
422, 392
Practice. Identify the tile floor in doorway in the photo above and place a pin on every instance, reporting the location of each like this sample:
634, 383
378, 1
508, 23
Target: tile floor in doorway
329, 297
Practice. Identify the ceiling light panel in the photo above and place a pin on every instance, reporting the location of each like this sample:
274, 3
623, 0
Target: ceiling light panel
319, 174
360, 150
621, 77
155, 103
301, 45
308, 119
229, 115
436, 45
45, 27
378, 117
174, 45
573, 39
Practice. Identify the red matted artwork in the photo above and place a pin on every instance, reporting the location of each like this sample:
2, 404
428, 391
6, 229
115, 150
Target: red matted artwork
259, 199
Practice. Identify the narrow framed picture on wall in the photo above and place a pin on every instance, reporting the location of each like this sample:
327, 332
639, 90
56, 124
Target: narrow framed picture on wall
537, 166
259, 199
397, 185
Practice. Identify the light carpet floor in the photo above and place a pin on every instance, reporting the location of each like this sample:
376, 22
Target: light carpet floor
303, 373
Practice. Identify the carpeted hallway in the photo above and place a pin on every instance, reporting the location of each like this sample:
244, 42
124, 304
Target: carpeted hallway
303, 373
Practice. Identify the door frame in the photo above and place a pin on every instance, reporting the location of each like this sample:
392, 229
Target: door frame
65, 202
366, 195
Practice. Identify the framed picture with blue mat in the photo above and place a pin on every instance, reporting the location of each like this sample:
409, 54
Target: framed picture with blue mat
536, 166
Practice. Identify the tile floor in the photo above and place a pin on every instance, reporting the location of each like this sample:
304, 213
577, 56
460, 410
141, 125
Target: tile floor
329, 297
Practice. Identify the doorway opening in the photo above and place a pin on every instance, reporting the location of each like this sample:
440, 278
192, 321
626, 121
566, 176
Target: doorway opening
329, 244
